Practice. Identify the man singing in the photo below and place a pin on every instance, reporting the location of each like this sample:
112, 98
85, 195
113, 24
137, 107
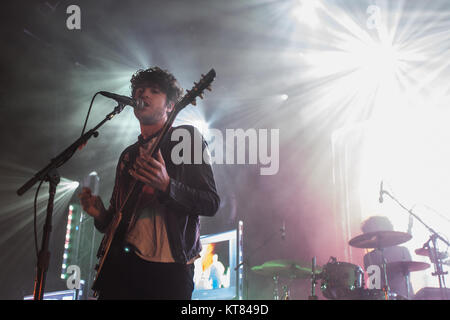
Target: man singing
162, 241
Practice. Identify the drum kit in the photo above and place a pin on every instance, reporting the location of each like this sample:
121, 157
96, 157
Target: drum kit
346, 281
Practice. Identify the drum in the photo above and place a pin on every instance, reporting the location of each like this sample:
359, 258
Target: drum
340, 280
377, 294
371, 294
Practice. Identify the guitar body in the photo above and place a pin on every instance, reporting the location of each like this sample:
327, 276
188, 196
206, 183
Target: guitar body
105, 248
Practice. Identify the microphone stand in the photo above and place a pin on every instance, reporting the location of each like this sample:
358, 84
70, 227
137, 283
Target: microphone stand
434, 236
314, 278
50, 174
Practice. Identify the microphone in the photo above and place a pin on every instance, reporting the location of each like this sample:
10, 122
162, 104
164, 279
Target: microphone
139, 104
381, 192
283, 231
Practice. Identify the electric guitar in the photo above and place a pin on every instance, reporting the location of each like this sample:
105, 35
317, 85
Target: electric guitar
118, 218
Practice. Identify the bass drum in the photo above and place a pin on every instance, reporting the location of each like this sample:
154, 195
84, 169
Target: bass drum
341, 280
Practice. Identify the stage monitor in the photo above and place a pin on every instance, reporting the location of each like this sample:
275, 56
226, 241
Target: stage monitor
218, 271
57, 295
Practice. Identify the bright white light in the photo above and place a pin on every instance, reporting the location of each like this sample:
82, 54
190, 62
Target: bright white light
379, 60
202, 126
194, 118
386, 87
305, 12
67, 186
284, 97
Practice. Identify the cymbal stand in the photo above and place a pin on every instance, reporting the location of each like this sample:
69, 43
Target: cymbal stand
386, 288
286, 292
434, 236
313, 280
276, 295
405, 273
408, 289
437, 262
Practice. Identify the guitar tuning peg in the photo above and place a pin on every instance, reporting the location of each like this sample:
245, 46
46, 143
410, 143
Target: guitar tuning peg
208, 88
201, 95
194, 102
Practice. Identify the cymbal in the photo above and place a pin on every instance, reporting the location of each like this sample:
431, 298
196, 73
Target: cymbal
284, 268
379, 239
427, 253
407, 266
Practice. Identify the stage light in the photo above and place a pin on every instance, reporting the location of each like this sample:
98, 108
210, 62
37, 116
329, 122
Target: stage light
385, 87
305, 12
201, 125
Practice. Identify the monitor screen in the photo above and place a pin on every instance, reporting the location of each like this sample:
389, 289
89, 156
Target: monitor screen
216, 275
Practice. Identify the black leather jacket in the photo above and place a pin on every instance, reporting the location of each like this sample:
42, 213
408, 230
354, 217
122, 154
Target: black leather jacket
191, 193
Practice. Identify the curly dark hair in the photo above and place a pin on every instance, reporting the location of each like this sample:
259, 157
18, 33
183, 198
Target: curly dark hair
166, 82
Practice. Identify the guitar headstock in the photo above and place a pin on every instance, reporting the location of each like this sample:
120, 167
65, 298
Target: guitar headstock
197, 90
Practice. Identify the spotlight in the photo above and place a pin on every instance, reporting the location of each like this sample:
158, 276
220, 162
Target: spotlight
74, 184
202, 126
305, 12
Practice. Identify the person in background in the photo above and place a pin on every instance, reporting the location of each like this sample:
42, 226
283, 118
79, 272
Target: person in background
398, 281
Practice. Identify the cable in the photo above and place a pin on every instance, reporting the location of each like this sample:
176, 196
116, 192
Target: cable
89, 112
35, 218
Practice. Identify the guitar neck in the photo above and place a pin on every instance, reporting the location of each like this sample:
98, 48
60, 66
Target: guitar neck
165, 129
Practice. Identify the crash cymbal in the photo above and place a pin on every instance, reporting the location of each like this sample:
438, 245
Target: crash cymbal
284, 268
406, 266
427, 253
379, 239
